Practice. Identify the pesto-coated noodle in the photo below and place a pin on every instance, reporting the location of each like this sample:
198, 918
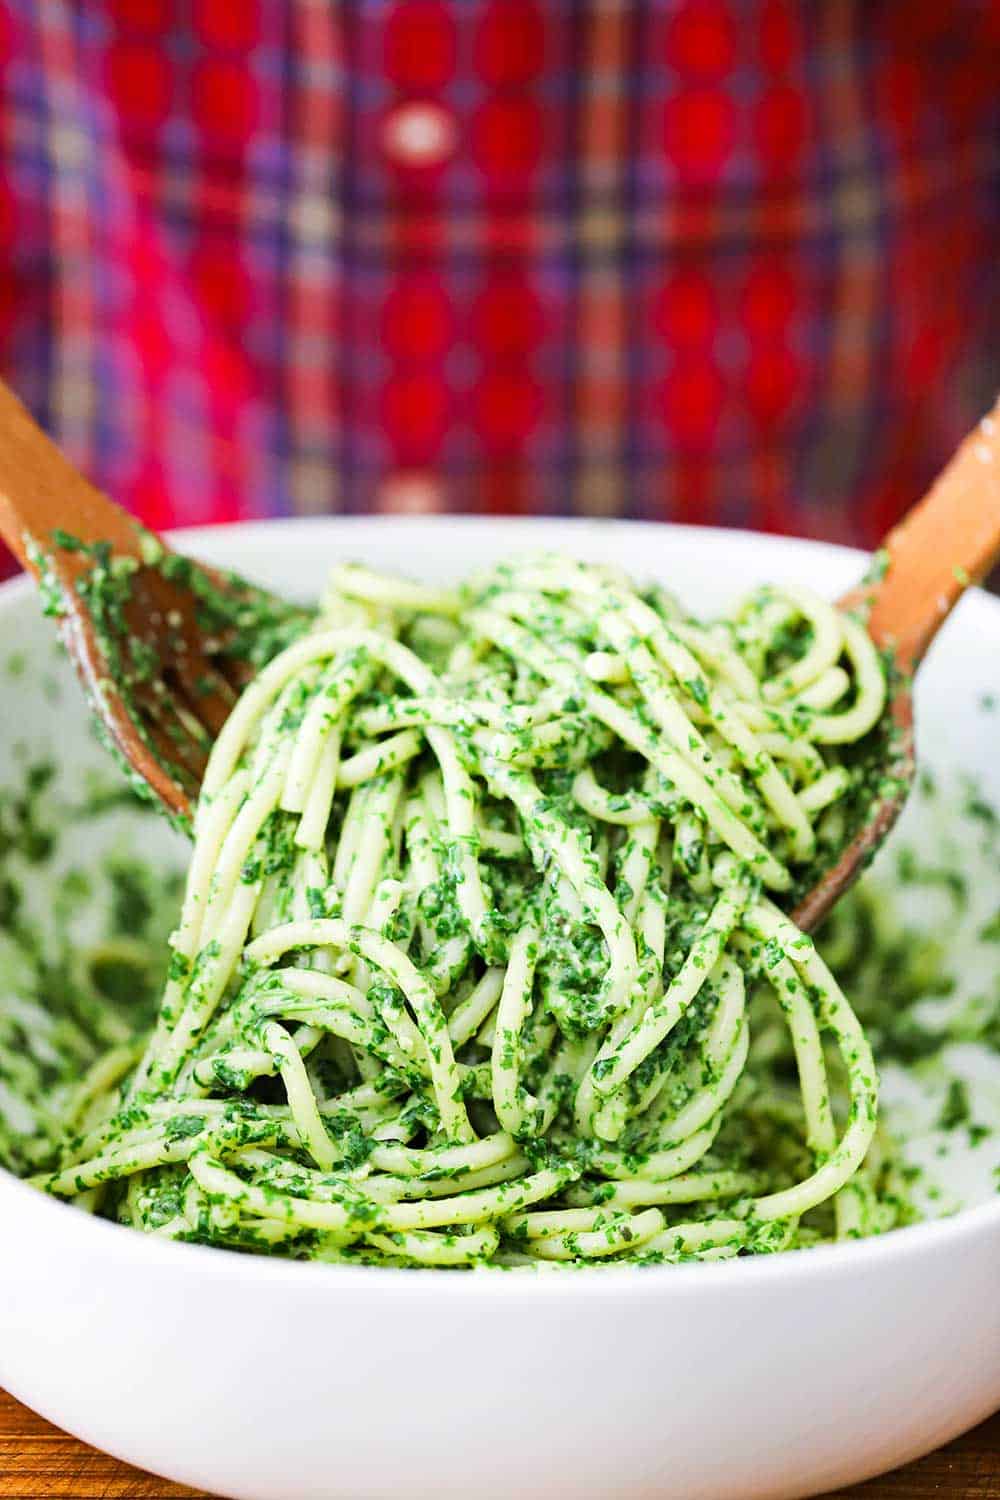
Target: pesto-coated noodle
486, 898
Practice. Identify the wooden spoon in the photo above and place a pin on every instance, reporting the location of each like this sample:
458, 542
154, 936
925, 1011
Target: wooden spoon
163, 725
156, 639
947, 541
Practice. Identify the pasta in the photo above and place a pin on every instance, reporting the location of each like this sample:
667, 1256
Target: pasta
484, 932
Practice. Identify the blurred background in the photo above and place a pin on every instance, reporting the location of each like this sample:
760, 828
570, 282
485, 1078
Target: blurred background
722, 261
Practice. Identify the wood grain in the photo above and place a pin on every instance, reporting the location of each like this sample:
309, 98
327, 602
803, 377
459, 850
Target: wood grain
38, 1462
41, 494
948, 539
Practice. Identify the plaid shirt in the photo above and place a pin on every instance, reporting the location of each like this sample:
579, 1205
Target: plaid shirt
705, 260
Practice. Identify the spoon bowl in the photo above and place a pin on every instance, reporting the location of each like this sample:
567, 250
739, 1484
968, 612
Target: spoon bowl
162, 644
947, 541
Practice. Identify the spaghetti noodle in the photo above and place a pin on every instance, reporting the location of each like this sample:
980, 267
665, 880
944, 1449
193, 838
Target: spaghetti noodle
486, 896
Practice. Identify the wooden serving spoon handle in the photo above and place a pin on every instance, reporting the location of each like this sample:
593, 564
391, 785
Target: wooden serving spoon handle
157, 667
948, 540
41, 493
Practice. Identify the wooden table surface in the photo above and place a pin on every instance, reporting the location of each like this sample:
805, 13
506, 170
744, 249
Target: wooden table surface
38, 1462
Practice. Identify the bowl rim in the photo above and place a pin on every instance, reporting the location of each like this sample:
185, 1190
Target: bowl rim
872, 1253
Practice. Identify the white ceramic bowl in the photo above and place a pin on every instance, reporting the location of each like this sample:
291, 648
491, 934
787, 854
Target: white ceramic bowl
781, 1376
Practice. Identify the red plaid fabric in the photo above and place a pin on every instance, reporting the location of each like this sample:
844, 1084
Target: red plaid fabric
709, 260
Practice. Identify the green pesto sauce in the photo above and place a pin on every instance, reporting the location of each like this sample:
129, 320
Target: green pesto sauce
69, 1005
82, 952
